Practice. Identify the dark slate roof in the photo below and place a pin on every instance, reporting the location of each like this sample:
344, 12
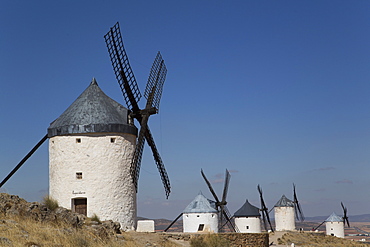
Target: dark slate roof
201, 205
284, 202
247, 210
92, 112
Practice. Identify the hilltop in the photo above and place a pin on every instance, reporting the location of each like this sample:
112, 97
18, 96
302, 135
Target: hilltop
33, 224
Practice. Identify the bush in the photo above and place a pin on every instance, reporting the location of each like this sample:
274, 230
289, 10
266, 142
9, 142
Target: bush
95, 218
210, 240
50, 203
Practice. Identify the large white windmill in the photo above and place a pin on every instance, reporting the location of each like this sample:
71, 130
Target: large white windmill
95, 150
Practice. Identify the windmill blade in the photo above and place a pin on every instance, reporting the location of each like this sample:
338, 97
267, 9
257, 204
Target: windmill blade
122, 68
154, 86
231, 225
210, 187
297, 206
345, 217
226, 186
317, 227
24, 160
173, 222
136, 159
160, 166
264, 210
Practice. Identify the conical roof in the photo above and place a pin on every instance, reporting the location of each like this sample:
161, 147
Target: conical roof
334, 218
201, 205
247, 210
92, 112
284, 202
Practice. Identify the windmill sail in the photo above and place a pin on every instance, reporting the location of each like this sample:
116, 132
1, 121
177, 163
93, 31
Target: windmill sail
132, 95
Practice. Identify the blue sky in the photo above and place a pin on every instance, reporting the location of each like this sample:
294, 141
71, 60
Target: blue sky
275, 91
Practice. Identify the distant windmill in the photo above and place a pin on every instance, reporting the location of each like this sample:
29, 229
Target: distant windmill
335, 224
286, 211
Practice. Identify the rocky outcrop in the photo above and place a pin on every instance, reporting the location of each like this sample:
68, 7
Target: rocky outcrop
14, 205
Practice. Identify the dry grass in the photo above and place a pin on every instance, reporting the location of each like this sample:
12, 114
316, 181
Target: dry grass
209, 240
317, 240
17, 231
27, 232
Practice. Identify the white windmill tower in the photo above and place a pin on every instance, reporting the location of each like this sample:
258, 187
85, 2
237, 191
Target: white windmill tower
284, 215
248, 218
286, 211
90, 147
334, 226
200, 215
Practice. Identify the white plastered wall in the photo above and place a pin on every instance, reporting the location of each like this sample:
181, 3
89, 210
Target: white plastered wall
104, 161
335, 229
248, 224
284, 219
191, 222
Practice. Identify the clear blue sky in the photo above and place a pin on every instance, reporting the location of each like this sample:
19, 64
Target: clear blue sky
275, 91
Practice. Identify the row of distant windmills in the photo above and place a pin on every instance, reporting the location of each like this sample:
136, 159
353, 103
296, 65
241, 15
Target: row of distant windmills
205, 215
95, 153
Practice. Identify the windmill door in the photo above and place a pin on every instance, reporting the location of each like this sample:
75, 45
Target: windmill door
80, 206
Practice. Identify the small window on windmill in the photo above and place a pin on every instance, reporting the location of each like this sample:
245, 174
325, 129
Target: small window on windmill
112, 140
78, 175
201, 227
78, 140
247, 227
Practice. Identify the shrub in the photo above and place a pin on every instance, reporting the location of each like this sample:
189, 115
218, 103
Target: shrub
50, 203
95, 218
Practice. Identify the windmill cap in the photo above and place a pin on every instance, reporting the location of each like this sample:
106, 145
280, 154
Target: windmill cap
247, 210
92, 112
201, 205
284, 202
334, 218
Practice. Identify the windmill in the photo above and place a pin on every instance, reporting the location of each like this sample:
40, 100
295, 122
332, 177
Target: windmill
224, 214
132, 95
335, 224
297, 207
91, 142
264, 210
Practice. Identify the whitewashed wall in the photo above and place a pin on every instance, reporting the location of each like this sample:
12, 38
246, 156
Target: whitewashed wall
106, 181
191, 222
284, 219
248, 224
335, 229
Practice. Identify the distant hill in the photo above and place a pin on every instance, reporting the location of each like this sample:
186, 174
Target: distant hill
352, 218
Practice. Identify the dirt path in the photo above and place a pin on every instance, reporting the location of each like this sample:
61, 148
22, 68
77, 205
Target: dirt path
273, 238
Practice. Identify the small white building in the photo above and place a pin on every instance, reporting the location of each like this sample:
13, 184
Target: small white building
284, 215
335, 226
200, 215
90, 150
248, 219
